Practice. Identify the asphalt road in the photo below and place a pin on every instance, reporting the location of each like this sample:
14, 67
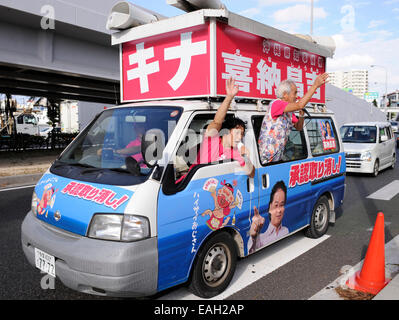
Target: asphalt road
298, 279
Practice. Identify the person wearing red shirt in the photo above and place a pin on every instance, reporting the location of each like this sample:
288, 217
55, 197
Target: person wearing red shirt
223, 138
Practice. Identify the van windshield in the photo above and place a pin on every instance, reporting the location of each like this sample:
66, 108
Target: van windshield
359, 134
110, 151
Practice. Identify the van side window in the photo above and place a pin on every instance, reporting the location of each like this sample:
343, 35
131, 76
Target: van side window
29, 119
295, 149
189, 147
382, 133
389, 133
322, 136
184, 164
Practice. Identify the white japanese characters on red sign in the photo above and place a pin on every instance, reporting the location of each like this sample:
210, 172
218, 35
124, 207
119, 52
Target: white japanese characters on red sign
178, 64
167, 65
260, 64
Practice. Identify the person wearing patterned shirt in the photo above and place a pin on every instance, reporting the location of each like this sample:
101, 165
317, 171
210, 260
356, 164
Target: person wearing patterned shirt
280, 118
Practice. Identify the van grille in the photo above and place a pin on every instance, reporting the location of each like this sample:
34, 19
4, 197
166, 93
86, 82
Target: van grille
352, 156
355, 165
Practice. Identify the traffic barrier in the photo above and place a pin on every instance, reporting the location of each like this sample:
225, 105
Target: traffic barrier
371, 278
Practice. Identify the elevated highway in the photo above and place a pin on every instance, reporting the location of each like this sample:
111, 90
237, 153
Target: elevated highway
58, 49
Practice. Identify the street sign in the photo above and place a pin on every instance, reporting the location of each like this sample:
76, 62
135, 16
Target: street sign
371, 96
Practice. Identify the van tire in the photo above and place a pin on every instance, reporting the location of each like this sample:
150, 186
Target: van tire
320, 219
376, 168
220, 254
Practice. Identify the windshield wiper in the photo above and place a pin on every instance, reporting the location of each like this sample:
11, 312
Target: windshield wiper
59, 163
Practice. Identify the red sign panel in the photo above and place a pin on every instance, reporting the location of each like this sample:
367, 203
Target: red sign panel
175, 64
178, 64
259, 65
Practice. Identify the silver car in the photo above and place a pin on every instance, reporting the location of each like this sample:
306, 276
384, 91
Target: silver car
395, 126
369, 146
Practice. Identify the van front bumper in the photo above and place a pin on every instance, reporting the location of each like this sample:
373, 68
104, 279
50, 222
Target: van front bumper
94, 266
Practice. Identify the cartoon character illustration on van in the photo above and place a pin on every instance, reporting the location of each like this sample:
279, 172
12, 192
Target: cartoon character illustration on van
47, 199
224, 202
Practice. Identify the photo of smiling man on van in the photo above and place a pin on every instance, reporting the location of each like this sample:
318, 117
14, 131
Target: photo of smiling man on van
275, 230
280, 118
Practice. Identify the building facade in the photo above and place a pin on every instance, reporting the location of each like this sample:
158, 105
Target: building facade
354, 81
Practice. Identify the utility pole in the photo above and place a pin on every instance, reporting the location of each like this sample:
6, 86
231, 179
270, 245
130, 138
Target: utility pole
386, 87
311, 16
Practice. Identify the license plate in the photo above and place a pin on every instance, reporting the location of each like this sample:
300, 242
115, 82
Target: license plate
45, 262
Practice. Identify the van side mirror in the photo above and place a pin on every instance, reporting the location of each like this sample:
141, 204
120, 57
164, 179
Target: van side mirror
384, 138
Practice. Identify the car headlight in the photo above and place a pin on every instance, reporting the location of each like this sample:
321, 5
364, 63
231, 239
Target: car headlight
366, 156
34, 203
119, 227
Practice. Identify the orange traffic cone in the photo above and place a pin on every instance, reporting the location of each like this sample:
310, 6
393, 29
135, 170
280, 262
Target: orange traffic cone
371, 278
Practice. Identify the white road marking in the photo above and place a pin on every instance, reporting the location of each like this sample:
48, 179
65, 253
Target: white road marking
258, 265
387, 192
16, 188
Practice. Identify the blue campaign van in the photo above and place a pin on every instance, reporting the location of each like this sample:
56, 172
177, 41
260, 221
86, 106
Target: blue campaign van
103, 227
124, 212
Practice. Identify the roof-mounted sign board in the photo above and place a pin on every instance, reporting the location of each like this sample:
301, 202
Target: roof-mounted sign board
196, 61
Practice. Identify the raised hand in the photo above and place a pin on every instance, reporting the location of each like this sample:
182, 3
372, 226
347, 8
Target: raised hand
231, 87
257, 223
321, 79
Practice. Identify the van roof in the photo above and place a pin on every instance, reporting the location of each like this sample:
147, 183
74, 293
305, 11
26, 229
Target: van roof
200, 16
240, 105
367, 123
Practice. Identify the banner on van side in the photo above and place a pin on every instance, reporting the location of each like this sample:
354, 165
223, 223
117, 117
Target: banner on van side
186, 63
312, 171
70, 205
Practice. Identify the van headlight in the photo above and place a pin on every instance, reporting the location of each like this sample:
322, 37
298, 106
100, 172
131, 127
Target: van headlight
119, 227
34, 203
366, 156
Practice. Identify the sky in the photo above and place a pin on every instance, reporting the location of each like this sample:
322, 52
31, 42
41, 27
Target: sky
366, 32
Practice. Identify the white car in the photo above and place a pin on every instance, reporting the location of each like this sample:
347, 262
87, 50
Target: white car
395, 126
369, 146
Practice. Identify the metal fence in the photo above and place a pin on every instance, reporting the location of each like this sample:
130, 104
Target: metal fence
17, 142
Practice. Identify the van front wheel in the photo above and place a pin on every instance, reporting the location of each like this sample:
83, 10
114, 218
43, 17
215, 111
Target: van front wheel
320, 219
214, 267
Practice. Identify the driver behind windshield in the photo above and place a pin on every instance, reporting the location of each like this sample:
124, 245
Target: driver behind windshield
132, 150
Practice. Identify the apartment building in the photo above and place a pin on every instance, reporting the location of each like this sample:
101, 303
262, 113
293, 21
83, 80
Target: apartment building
354, 81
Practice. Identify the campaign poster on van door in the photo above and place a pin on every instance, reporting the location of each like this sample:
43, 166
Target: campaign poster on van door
327, 135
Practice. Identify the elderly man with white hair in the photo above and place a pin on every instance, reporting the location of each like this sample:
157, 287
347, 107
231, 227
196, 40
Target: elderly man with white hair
280, 118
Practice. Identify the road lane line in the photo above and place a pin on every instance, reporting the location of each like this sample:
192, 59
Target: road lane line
16, 188
258, 265
387, 192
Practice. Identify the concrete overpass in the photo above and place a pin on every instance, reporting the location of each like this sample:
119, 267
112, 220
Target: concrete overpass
70, 57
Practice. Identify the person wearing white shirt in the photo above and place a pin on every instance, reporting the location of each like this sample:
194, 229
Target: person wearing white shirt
275, 230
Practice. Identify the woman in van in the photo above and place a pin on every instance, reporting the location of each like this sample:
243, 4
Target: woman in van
223, 138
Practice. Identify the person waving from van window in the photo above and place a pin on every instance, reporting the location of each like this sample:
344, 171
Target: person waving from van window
280, 118
223, 138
